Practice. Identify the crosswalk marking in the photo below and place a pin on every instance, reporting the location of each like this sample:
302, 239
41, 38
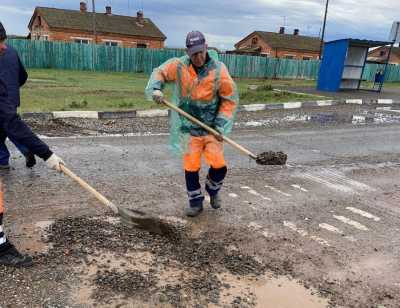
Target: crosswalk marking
304, 233
363, 213
330, 228
336, 181
335, 230
255, 193
350, 222
299, 187
278, 191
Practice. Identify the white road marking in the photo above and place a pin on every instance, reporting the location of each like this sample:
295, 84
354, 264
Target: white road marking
363, 213
255, 193
320, 240
255, 226
330, 228
323, 181
233, 195
342, 178
293, 227
278, 191
299, 187
337, 231
336, 181
304, 233
352, 223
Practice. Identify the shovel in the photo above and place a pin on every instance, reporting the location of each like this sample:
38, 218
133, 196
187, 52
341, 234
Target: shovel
265, 158
132, 218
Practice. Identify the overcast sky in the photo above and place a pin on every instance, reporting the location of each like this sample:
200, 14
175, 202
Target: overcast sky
225, 22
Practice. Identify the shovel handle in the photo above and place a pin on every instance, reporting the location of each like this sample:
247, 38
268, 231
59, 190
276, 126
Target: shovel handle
89, 188
210, 130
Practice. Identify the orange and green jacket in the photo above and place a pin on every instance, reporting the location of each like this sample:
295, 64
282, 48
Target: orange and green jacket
209, 93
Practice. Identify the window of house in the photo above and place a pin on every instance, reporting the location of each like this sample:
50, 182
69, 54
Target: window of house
81, 41
288, 56
44, 38
254, 41
382, 53
307, 58
141, 45
111, 43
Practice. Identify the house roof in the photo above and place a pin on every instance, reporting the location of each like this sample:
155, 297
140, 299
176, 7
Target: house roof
115, 24
288, 41
361, 43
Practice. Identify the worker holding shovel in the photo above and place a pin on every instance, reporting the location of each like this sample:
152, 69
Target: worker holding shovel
11, 125
204, 89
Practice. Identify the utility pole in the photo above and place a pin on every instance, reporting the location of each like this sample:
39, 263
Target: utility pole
323, 29
94, 33
94, 20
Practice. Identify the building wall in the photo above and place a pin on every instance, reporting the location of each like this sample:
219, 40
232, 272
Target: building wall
40, 29
279, 53
265, 48
297, 54
394, 59
70, 36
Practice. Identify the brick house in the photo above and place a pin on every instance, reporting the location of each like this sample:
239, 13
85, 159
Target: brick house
380, 55
279, 45
52, 24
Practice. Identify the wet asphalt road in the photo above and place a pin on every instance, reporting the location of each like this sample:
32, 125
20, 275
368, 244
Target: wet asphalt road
333, 213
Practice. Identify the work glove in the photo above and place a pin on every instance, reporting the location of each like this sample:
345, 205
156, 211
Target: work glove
218, 137
158, 96
54, 162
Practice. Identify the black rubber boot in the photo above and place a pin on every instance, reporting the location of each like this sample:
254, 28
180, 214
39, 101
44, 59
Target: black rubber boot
12, 257
194, 209
215, 201
30, 160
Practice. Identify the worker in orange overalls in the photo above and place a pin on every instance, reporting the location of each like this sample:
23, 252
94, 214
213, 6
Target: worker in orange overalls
203, 88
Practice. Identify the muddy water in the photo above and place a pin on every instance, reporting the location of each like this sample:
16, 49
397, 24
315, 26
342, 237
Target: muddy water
271, 292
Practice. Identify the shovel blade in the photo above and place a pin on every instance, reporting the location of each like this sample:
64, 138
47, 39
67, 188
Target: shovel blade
140, 220
271, 158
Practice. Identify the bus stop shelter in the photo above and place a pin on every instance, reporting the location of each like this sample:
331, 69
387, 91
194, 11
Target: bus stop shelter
343, 64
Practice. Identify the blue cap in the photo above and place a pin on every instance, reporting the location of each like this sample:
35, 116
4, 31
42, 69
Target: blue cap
195, 42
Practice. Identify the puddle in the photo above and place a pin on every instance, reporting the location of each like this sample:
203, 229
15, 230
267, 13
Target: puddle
327, 118
269, 292
30, 238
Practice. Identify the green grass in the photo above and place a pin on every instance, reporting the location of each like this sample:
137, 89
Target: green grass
58, 90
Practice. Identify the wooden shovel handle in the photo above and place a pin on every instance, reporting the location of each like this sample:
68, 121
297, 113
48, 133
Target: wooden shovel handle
209, 129
89, 188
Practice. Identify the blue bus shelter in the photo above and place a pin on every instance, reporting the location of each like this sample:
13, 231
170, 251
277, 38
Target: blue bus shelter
343, 63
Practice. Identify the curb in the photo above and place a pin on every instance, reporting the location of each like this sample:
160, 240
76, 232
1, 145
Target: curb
153, 113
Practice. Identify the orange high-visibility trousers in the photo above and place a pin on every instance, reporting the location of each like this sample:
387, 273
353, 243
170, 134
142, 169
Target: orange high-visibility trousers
208, 145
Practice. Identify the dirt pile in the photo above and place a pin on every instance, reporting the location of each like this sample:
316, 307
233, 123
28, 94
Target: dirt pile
200, 262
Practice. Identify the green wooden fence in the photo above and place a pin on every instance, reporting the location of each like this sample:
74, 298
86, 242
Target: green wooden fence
41, 54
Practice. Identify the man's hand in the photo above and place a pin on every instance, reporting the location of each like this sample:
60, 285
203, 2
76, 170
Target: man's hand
158, 96
219, 137
54, 162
